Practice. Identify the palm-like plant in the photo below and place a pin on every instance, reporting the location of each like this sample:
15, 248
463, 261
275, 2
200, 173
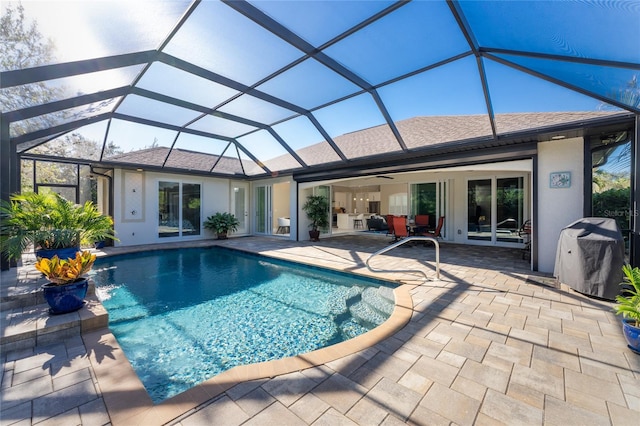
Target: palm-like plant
48, 221
629, 301
221, 223
317, 209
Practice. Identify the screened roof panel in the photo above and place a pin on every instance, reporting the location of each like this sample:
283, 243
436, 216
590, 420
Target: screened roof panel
56, 118
190, 160
92, 29
269, 151
138, 143
416, 35
572, 28
612, 82
433, 93
335, 80
304, 138
69, 87
220, 126
250, 167
170, 81
295, 86
359, 112
531, 94
345, 120
256, 109
25, 146
83, 143
320, 21
190, 142
217, 38
229, 164
70, 146
162, 112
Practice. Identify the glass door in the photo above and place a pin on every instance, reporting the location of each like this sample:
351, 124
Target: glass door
263, 209
496, 209
429, 199
179, 211
510, 209
479, 209
240, 205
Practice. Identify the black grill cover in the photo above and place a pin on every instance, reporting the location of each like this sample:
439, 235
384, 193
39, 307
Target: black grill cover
590, 257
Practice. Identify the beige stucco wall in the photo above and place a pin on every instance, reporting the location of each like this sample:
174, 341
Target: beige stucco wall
557, 207
142, 227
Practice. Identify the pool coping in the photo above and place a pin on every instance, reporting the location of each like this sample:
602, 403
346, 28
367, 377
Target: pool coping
128, 402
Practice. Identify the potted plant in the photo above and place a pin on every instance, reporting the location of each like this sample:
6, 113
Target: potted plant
317, 209
629, 306
52, 224
221, 224
67, 286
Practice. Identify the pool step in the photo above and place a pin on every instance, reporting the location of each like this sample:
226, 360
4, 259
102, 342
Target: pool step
33, 325
374, 307
380, 299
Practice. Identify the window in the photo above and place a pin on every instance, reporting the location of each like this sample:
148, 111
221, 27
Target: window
398, 204
178, 209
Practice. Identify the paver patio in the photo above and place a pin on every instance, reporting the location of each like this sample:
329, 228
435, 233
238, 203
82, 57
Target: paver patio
490, 343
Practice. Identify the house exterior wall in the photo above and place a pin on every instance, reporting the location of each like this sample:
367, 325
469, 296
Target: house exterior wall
136, 213
557, 207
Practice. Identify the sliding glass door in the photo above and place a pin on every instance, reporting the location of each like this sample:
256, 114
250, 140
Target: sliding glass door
479, 197
263, 209
429, 199
496, 209
179, 212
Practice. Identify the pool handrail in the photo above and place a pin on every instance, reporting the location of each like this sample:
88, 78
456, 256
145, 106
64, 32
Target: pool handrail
404, 241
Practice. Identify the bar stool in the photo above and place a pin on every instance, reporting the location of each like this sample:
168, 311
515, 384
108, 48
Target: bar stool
358, 222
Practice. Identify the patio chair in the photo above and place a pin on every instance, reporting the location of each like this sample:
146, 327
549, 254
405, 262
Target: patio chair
437, 233
283, 225
389, 220
525, 233
400, 228
421, 223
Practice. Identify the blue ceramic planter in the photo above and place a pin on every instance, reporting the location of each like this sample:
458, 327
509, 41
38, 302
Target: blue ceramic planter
62, 253
632, 334
65, 298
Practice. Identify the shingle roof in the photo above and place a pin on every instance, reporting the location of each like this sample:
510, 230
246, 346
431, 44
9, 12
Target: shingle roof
417, 133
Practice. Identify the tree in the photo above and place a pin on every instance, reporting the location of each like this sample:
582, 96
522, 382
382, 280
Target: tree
629, 95
23, 46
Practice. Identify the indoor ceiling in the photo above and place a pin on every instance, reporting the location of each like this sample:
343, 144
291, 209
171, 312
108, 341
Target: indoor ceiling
261, 88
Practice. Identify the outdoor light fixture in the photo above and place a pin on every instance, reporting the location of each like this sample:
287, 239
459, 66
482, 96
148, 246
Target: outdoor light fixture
557, 137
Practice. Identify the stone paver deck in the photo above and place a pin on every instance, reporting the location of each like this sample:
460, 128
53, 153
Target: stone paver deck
490, 343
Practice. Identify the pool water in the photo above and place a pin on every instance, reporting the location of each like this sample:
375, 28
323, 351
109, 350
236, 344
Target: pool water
183, 316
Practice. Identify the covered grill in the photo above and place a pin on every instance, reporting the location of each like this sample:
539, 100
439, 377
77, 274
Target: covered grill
590, 257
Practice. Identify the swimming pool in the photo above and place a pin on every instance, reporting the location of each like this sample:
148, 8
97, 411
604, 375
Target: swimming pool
183, 316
